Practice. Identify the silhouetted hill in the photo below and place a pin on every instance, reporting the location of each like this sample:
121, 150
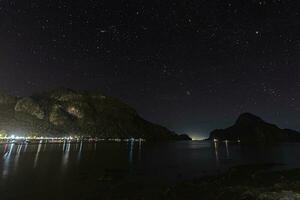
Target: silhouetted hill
251, 128
69, 112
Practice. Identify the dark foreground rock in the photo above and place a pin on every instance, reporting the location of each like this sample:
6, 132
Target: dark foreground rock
63, 112
251, 129
253, 182
249, 182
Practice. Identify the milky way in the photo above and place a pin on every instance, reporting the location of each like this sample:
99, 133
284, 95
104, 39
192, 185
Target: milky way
191, 65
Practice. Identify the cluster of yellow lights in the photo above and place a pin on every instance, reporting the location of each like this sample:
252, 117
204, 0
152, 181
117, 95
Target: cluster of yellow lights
69, 138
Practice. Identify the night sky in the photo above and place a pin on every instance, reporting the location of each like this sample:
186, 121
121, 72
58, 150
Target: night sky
190, 65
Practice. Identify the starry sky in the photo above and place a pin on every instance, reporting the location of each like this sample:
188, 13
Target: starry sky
190, 65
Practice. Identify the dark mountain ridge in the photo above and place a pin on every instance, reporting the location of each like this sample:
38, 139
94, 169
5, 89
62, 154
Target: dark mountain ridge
63, 111
250, 128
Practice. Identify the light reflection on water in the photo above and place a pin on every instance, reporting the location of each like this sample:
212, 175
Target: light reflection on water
154, 160
215, 146
227, 149
80, 151
13, 154
66, 154
37, 154
19, 148
130, 152
140, 151
7, 157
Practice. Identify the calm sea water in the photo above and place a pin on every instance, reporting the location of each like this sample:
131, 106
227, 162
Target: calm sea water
83, 171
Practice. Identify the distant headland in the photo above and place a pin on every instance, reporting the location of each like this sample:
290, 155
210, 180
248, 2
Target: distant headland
252, 129
65, 112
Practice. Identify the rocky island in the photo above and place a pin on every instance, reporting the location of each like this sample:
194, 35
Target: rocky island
252, 129
65, 112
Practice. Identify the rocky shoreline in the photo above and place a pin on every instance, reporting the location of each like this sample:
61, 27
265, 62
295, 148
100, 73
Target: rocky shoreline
249, 182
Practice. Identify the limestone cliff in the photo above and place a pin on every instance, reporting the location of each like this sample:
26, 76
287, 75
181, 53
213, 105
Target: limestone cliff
69, 112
